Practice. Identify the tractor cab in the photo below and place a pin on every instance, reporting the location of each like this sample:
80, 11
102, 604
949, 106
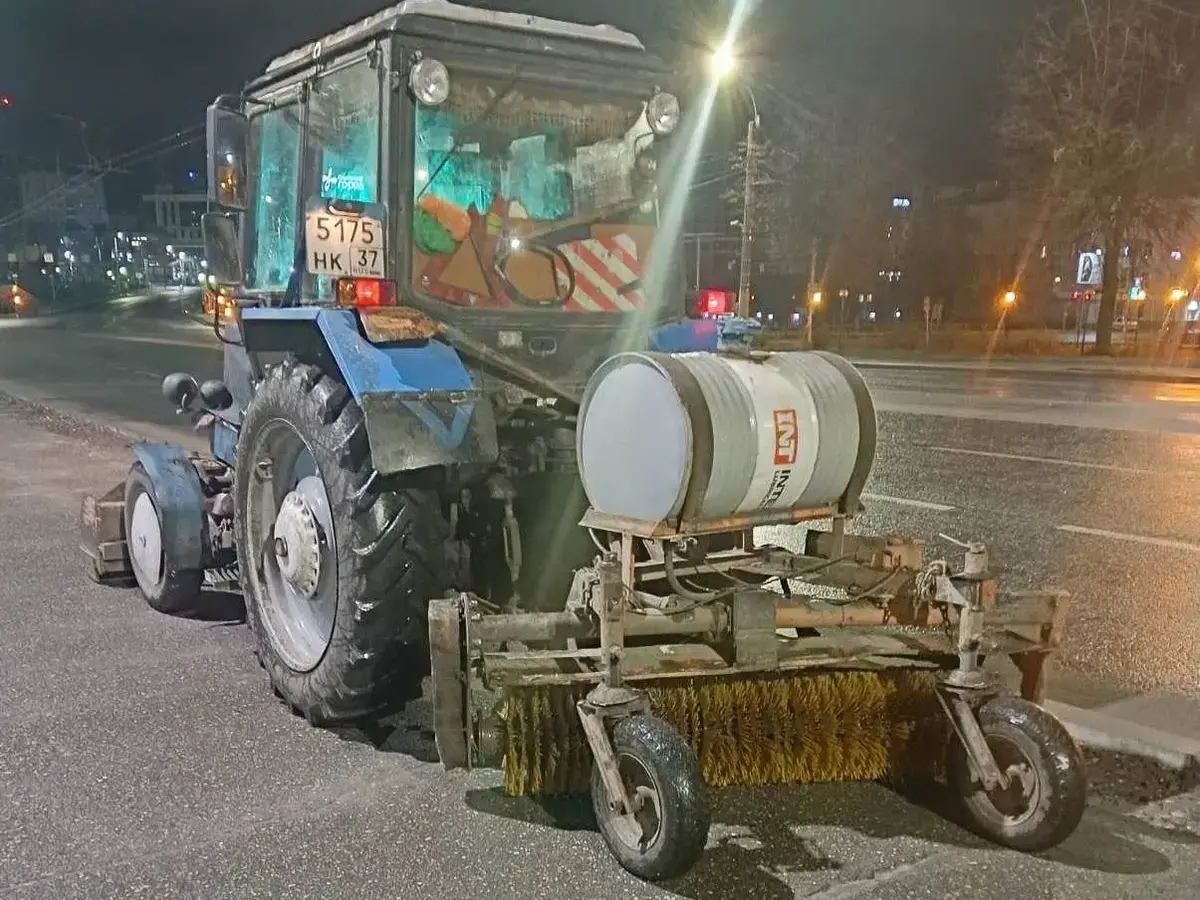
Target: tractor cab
496, 172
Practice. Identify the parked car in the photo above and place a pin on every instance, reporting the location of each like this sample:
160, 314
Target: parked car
16, 301
217, 298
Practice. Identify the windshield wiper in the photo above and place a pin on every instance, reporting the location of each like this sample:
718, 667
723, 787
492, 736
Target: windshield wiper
461, 140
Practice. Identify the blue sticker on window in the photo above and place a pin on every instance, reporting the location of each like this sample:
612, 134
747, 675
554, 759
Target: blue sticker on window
346, 185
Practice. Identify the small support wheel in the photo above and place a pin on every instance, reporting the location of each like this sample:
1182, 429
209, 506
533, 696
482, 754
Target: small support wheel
1047, 792
167, 586
665, 834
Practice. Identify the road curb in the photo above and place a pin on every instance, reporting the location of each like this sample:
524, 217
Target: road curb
119, 430
1010, 368
1093, 728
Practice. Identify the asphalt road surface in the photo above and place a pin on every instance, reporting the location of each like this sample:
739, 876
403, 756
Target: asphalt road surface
1082, 483
142, 755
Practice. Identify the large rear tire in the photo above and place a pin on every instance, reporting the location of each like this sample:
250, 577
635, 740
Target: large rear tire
340, 616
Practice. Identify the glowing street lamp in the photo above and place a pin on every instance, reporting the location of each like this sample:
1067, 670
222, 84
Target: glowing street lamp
814, 300
723, 62
1009, 299
1178, 294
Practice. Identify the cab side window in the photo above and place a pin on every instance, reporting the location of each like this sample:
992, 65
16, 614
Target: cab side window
342, 158
275, 150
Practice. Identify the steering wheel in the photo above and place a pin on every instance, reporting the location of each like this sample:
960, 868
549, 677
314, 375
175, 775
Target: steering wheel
553, 255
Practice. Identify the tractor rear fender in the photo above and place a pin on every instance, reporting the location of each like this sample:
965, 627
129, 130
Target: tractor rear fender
179, 499
421, 405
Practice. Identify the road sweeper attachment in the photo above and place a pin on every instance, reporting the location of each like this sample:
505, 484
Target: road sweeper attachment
693, 655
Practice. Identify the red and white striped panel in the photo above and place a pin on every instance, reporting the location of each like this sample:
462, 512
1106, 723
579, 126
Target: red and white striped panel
601, 267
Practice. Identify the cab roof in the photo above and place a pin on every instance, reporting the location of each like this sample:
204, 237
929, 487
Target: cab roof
391, 19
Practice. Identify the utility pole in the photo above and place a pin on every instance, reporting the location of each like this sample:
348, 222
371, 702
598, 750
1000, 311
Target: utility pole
812, 265
724, 62
743, 306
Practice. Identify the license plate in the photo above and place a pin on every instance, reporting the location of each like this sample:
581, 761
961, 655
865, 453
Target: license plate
345, 242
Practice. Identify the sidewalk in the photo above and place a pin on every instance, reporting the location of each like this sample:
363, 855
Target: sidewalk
1161, 727
1158, 726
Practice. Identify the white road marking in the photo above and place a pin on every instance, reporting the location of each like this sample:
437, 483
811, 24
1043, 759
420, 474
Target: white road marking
1070, 463
904, 501
166, 342
1168, 543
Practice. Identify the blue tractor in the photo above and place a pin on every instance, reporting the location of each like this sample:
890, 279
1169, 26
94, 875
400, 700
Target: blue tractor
455, 341
437, 223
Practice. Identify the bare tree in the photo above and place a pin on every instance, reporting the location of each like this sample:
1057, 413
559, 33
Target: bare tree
1102, 126
822, 183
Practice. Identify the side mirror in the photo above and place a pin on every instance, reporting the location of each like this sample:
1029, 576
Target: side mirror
221, 247
228, 131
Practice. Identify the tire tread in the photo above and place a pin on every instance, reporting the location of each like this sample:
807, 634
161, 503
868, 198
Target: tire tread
378, 654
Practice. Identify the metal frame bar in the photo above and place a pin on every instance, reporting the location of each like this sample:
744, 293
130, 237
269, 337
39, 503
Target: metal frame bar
962, 619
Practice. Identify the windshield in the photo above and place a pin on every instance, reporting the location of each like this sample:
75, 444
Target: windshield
531, 197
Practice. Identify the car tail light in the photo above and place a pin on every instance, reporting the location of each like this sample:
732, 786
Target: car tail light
365, 293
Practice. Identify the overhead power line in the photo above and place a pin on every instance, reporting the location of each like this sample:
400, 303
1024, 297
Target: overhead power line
160, 147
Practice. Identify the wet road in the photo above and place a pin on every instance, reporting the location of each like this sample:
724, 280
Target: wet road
1083, 483
143, 756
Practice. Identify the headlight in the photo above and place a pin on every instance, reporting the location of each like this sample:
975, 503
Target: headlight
663, 113
430, 82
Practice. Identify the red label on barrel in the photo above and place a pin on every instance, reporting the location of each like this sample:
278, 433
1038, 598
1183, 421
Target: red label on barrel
786, 437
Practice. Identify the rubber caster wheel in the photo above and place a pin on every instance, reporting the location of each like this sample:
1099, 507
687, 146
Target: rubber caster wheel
666, 834
166, 587
1047, 792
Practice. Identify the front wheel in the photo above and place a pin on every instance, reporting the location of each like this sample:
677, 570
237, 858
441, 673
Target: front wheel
1047, 792
338, 564
666, 834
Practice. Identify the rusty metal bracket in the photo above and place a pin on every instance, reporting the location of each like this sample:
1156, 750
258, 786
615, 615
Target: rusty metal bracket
102, 538
448, 658
756, 645
959, 710
603, 705
608, 603
978, 588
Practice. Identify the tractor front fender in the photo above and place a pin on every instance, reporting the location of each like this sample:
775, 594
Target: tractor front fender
179, 499
422, 406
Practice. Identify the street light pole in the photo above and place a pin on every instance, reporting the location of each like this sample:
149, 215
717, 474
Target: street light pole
743, 308
724, 63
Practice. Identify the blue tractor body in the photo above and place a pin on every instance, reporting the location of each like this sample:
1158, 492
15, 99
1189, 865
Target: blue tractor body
434, 225
422, 405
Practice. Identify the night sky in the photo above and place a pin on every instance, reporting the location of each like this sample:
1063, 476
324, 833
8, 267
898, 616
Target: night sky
137, 70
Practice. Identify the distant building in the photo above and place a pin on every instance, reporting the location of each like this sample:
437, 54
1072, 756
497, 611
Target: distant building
176, 216
1061, 275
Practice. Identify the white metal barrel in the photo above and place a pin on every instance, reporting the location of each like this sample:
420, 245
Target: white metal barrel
669, 437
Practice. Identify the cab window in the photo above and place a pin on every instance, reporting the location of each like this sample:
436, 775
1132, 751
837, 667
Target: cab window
342, 162
275, 151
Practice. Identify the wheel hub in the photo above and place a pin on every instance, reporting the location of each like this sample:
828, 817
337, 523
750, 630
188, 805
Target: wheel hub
638, 827
145, 539
297, 545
